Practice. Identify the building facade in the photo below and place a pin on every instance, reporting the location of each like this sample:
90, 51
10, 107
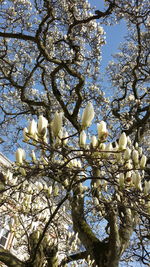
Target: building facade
5, 236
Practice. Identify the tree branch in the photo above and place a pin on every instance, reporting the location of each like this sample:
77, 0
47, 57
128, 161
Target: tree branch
9, 259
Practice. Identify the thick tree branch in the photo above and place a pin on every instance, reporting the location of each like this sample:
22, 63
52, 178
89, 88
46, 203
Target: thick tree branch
9, 259
73, 257
19, 36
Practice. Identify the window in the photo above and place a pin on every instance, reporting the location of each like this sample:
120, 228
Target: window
4, 233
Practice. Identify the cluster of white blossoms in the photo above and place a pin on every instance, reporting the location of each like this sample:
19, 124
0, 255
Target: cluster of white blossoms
117, 165
127, 161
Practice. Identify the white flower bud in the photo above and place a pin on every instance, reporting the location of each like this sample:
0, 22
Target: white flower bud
94, 141
128, 141
26, 138
56, 123
20, 155
129, 165
121, 179
42, 125
147, 187
127, 154
122, 141
59, 137
32, 128
135, 156
139, 186
41, 166
143, 161
22, 171
96, 202
82, 140
33, 156
50, 189
44, 160
66, 183
56, 191
137, 181
102, 130
87, 116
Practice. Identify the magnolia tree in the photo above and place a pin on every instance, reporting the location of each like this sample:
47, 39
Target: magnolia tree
74, 202
78, 192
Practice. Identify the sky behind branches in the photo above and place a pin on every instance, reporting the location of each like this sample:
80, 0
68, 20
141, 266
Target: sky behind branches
114, 35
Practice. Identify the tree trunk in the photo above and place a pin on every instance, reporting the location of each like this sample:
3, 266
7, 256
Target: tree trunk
9, 259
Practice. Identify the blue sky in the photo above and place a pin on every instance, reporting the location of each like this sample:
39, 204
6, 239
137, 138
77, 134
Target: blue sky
114, 35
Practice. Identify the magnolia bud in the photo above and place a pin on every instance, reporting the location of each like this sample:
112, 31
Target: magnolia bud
94, 141
137, 181
33, 156
32, 128
102, 131
59, 137
135, 156
82, 141
26, 138
87, 116
42, 125
50, 189
129, 165
122, 141
143, 161
56, 123
22, 171
44, 160
127, 154
20, 155
96, 202
41, 166
147, 187
56, 191
129, 141
121, 179
66, 183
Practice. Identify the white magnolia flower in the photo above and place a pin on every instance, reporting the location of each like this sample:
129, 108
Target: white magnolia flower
147, 187
143, 161
20, 155
102, 130
82, 141
33, 156
121, 179
87, 115
32, 128
127, 154
123, 141
94, 141
42, 125
25, 132
22, 171
56, 123
135, 156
